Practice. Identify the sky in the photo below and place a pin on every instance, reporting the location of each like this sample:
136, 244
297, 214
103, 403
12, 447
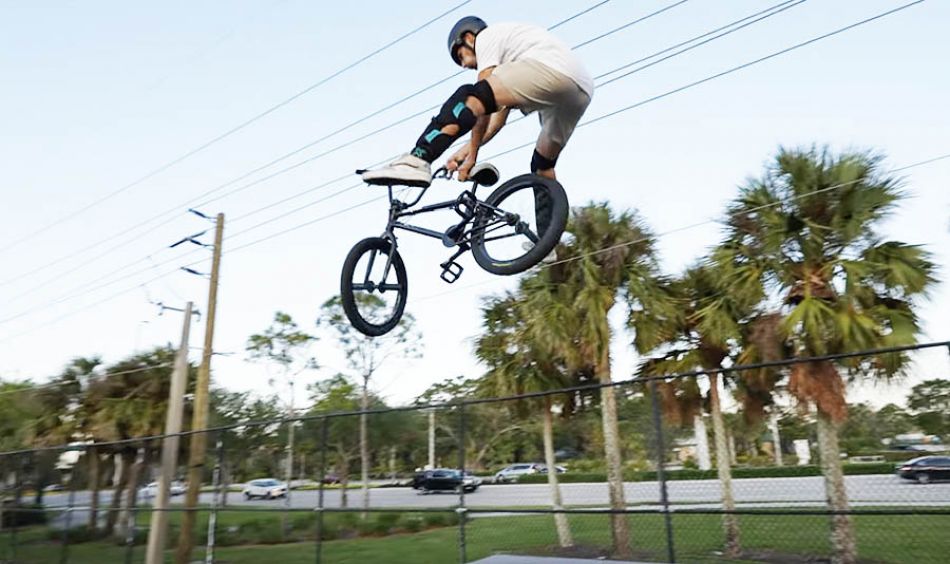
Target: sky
97, 98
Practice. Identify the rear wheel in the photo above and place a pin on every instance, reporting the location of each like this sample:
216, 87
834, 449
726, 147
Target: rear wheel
923, 478
519, 224
374, 286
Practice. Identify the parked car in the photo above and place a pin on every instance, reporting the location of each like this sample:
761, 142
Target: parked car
53, 488
471, 481
331, 479
150, 490
266, 488
544, 469
515, 471
925, 469
445, 479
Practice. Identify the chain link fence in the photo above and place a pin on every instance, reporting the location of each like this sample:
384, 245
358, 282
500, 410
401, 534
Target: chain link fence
656, 479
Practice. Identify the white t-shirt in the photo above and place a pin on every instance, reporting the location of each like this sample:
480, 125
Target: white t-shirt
507, 42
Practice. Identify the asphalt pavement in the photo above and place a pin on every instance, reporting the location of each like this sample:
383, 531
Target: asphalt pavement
874, 490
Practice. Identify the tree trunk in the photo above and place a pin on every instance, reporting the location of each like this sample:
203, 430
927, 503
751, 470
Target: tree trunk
125, 462
93, 455
776, 438
344, 480
289, 470
730, 522
619, 527
225, 481
135, 474
842, 529
364, 445
560, 519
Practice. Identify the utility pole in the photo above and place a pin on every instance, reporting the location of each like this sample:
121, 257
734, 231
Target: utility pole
199, 420
173, 417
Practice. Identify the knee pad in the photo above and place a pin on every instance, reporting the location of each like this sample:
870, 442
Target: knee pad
454, 111
540, 162
482, 90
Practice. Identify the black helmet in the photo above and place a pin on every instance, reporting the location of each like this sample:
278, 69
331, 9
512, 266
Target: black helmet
467, 24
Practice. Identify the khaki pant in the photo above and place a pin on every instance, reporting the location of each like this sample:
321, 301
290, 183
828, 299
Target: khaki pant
559, 101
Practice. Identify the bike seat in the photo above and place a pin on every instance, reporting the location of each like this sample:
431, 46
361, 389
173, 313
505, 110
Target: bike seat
484, 174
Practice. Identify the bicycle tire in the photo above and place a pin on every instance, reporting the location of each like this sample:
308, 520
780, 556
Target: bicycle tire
558, 208
348, 297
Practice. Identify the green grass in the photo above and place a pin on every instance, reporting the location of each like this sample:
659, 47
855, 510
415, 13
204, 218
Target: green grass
885, 538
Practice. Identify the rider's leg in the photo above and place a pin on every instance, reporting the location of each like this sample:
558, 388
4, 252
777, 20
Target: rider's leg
456, 118
557, 126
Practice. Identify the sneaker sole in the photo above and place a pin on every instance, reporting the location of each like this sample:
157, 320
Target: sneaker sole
397, 182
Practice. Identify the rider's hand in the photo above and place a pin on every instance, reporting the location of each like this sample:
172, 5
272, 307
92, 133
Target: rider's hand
466, 166
458, 158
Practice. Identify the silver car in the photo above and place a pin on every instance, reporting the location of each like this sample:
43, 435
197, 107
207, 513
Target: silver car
514, 472
266, 488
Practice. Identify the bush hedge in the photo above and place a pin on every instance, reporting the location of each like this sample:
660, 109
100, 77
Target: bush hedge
695, 474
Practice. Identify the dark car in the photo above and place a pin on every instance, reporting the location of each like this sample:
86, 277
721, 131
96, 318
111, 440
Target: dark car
925, 469
444, 479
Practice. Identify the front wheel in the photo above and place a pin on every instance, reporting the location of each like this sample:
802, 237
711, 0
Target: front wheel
519, 224
374, 286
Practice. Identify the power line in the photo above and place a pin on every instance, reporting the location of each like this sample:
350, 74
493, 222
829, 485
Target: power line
93, 377
614, 113
745, 22
687, 227
774, 10
191, 202
229, 132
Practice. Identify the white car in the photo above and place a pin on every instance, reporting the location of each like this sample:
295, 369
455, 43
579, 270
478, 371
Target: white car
267, 488
151, 490
515, 471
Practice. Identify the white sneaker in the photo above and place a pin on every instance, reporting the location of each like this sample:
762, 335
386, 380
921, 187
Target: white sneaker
407, 170
548, 259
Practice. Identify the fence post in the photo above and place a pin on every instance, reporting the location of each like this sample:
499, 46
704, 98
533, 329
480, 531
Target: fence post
17, 505
215, 496
661, 472
461, 511
68, 516
324, 427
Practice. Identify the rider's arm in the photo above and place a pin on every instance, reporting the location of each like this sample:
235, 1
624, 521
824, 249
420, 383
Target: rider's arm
495, 123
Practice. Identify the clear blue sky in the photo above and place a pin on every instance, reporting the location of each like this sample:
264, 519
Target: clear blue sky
94, 95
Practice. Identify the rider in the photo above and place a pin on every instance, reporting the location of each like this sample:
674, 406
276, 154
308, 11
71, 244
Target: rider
519, 66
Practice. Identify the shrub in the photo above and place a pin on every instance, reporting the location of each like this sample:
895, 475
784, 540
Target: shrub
303, 522
413, 524
76, 535
435, 519
691, 474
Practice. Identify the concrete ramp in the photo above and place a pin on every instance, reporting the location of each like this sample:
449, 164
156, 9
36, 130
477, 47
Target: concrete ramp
508, 559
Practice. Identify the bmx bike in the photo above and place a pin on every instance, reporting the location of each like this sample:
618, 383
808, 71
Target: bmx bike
508, 232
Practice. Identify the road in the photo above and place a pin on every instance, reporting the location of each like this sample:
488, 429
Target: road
876, 490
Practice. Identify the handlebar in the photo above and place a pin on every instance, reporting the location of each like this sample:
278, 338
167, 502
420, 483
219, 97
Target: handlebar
443, 172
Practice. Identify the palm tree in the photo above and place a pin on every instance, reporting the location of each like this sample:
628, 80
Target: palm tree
608, 258
696, 321
808, 232
130, 403
513, 347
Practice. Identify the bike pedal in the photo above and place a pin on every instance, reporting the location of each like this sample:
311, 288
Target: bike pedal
451, 271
